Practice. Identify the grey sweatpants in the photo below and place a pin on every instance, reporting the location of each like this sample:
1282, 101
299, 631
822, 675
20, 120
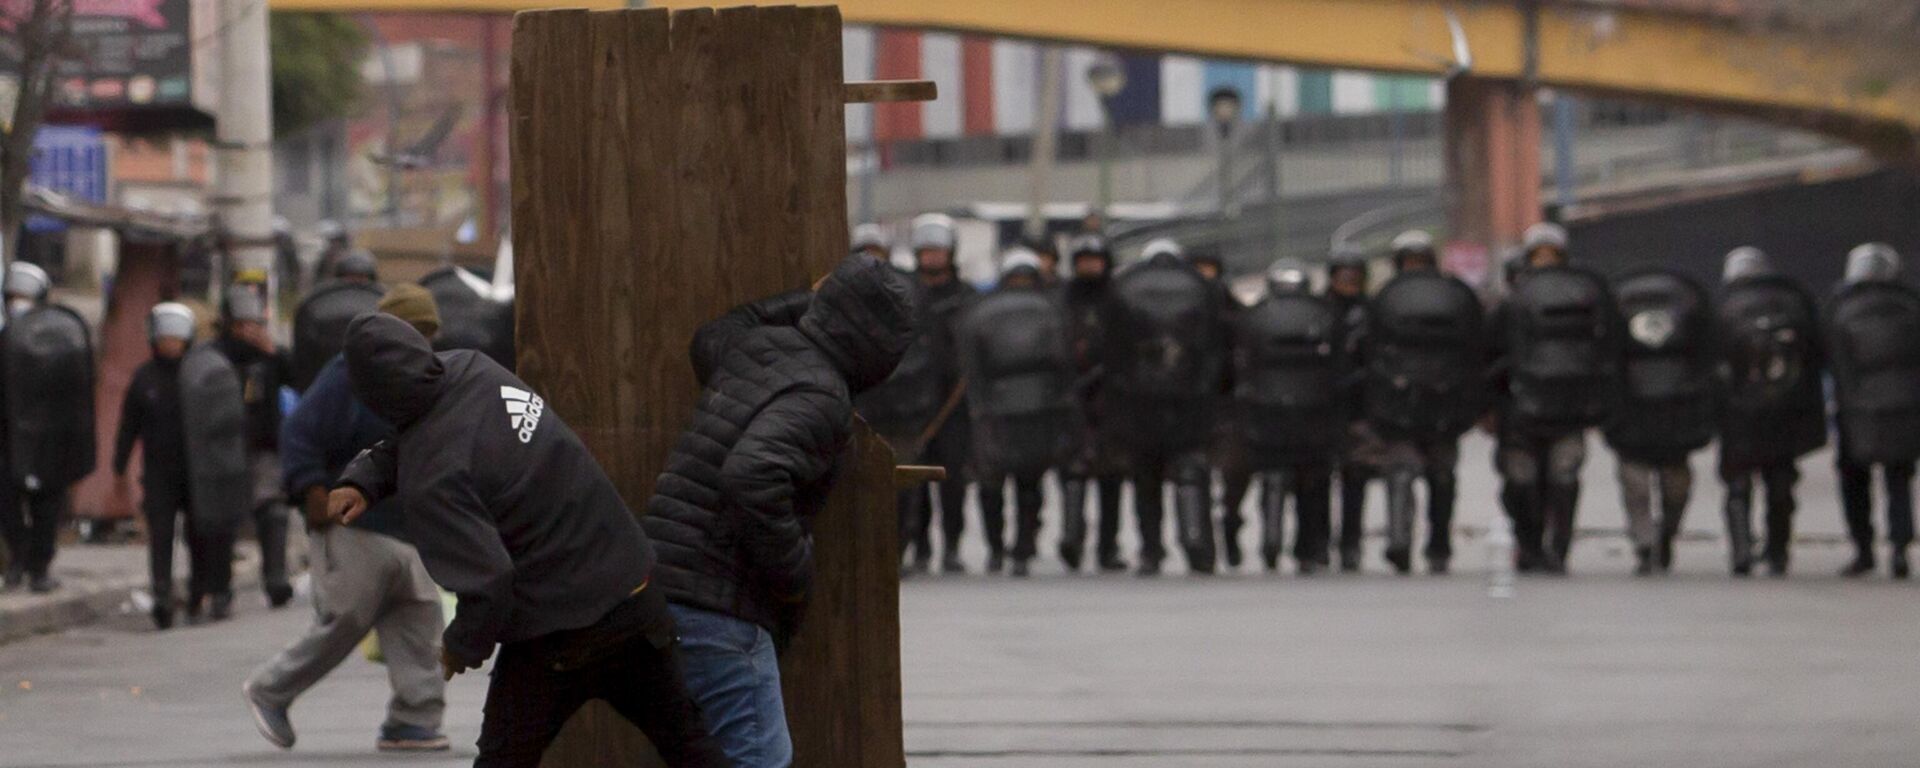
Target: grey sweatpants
365, 581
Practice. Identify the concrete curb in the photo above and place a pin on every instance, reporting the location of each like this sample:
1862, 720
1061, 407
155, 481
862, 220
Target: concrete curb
75, 606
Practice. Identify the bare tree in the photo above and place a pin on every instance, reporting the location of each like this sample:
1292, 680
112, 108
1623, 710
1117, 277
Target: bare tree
41, 31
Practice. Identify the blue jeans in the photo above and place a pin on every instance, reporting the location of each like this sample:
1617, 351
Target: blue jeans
732, 673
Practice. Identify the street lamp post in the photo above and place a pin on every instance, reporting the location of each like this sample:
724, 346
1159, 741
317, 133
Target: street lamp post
1108, 79
1223, 105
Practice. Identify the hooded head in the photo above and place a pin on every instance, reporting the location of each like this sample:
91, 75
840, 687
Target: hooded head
1872, 262
1413, 251
393, 368
1288, 277
1745, 261
863, 316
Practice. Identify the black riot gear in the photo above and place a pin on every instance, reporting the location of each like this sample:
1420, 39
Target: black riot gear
1667, 359
320, 326
469, 319
48, 394
1288, 365
1164, 361
1097, 464
1873, 338
1561, 336
1424, 356
1013, 352
1772, 410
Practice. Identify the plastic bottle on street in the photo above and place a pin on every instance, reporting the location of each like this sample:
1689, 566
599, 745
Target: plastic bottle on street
1500, 558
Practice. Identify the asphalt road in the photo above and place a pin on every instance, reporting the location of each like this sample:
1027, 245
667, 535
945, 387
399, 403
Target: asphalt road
1246, 669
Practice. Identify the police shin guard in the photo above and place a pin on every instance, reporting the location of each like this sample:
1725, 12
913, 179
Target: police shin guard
1193, 507
1558, 506
1740, 529
1273, 505
1235, 493
1107, 547
1353, 505
1671, 512
1440, 492
1518, 499
1400, 521
1073, 521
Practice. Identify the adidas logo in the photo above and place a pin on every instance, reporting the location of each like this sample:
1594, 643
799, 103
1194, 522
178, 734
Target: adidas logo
525, 408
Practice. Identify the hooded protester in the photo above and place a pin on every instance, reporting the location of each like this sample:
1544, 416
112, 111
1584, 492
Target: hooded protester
366, 577
1873, 336
921, 409
183, 408
1423, 373
732, 511
1095, 461
1288, 360
46, 422
264, 368
1347, 275
1164, 351
1666, 404
1772, 408
1014, 353
510, 512
1557, 349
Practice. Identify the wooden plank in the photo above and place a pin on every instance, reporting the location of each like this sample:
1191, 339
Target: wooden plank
873, 91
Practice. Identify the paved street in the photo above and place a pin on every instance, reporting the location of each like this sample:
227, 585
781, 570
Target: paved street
1598, 669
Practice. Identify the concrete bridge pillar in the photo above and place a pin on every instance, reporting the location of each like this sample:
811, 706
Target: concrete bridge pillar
1493, 162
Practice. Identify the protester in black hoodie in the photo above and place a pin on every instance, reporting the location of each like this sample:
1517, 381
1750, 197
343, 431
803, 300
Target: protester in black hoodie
731, 512
511, 513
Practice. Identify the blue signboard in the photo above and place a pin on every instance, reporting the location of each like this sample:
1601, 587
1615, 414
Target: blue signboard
71, 160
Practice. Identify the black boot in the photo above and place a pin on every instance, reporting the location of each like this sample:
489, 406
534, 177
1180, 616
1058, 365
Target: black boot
1073, 522
1019, 570
1559, 504
1899, 562
222, 607
1350, 560
1230, 526
1402, 560
996, 560
1195, 515
163, 614
1739, 535
1863, 563
41, 584
950, 562
1644, 561
1273, 505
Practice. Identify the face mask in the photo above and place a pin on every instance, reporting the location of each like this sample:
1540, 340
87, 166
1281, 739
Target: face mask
18, 306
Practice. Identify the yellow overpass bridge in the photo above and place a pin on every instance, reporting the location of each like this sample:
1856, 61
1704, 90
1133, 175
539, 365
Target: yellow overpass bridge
1694, 52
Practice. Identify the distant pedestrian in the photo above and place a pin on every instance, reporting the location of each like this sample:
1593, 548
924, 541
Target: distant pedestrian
510, 512
732, 511
46, 422
366, 577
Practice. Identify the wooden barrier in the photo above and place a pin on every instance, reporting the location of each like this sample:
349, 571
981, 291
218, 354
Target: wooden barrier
668, 166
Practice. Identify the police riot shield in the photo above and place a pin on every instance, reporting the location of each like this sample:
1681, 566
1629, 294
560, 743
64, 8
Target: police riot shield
49, 386
1425, 374
1666, 390
1874, 343
1563, 349
1287, 361
1015, 356
214, 417
1770, 362
320, 326
468, 319
1163, 332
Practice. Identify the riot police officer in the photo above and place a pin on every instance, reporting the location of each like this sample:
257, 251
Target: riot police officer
1666, 404
1013, 352
1227, 453
320, 323
46, 422
1288, 365
1347, 291
921, 409
1165, 349
1772, 410
1557, 349
263, 368
1873, 335
1095, 461
1423, 381
872, 240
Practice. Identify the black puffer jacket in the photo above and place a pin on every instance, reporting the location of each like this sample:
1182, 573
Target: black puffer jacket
731, 511
508, 509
